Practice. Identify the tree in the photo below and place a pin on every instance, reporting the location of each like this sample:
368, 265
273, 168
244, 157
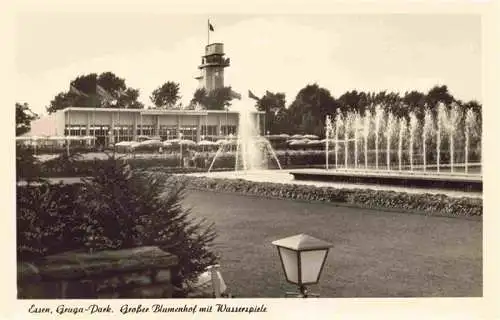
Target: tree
413, 101
439, 94
353, 100
124, 208
113, 84
129, 99
83, 93
309, 109
166, 96
219, 99
200, 97
24, 116
272, 104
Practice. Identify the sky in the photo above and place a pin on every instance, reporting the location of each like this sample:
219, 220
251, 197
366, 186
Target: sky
279, 53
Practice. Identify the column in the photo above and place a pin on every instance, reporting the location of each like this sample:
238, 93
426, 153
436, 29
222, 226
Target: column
178, 126
112, 129
135, 127
87, 131
157, 126
218, 125
198, 132
257, 118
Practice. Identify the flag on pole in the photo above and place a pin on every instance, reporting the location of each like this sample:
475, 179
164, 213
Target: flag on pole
74, 90
210, 26
103, 94
252, 96
235, 95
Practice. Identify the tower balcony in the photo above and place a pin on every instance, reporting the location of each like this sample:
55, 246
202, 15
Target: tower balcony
214, 61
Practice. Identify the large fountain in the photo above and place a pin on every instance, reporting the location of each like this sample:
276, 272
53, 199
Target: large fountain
441, 149
252, 150
435, 150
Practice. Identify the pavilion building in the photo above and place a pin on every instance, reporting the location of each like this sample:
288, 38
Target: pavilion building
112, 125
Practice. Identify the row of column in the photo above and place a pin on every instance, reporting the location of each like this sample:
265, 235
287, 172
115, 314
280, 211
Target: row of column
156, 126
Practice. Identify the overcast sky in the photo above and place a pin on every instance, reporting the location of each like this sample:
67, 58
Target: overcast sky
268, 52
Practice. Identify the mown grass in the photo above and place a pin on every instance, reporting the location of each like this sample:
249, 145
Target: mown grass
375, 253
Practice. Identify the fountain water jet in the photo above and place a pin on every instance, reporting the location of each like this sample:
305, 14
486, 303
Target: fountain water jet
338, 125
402, 131
470, 125
413, 129
328, 132
388, 134
379, 114
366, 133
426, 131
251, 148
442, 116
357, 125
347, 127
452, 127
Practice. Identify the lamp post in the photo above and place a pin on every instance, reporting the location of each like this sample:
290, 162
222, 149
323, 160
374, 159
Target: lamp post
302, 258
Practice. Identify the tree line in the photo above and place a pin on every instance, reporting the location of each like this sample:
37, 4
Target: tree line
305, 114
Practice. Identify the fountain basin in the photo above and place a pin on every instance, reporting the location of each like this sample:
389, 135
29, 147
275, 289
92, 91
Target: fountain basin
447, 181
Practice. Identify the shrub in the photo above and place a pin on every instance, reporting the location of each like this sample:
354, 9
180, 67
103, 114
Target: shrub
28, 168
115, 208
47, 220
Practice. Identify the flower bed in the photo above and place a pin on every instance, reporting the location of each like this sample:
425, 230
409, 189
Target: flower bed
431, 204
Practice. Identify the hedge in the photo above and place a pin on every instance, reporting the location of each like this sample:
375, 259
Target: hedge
79, 167
430, 204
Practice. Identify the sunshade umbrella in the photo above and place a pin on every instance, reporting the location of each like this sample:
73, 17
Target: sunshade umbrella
221, 141
23, 138
151, 143
123, 144
57, 138
298, 142
206, 143
315, 142
186, 142
142, 138
311, 136
134, 144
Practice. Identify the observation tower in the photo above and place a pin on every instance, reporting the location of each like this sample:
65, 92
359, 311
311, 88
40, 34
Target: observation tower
212, 67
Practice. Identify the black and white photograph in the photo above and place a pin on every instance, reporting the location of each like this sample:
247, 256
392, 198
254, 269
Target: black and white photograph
231, 155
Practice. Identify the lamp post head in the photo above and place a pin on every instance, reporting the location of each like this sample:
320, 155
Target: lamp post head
302, 258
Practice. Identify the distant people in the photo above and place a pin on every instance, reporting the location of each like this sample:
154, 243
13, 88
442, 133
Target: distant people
205, 160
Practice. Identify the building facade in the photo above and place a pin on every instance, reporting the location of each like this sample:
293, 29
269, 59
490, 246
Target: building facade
110, 125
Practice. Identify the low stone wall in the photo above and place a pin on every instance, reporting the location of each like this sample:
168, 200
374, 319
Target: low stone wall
143, 272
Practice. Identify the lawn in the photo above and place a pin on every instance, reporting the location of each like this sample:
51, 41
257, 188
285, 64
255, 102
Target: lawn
375, 253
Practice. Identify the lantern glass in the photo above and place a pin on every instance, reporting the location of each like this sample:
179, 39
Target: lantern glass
289, 258
311, 265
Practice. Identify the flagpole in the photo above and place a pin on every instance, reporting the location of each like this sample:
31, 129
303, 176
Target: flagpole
208, 32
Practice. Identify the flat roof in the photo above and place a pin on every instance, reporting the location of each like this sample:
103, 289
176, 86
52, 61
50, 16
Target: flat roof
157, 111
